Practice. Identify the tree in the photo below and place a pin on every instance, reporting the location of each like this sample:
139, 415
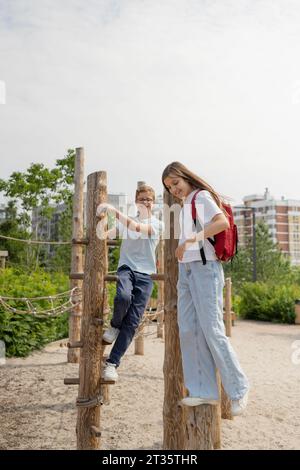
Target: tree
13, 226
43, 188
271, 264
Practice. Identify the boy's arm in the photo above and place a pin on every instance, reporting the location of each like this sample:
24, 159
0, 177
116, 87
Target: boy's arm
111, 233
146, 229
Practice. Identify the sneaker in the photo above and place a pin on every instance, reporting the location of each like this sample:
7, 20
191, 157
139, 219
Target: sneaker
238, 406
195, 401
110, 372
110, 335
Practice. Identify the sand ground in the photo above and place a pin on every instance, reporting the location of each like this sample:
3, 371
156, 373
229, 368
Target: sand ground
38, 411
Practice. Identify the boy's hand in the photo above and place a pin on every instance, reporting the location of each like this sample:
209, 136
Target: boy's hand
103, 208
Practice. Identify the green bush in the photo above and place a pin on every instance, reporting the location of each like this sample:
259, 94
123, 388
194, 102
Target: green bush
267, 302
23, 333
111, 293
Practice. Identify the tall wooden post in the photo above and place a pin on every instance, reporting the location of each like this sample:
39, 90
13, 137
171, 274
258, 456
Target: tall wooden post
185, 427
228, 306
139, 342
77, 254
173, 413
160, 294
89, 397
3, 256
225, 401
203, 427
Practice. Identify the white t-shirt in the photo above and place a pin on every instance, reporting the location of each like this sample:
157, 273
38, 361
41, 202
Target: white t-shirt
206, 209
138, 249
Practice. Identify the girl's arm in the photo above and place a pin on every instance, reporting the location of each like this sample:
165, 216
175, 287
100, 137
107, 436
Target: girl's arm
218, 224
146, 229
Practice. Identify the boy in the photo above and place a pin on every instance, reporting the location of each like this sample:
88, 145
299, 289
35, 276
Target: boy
140, 237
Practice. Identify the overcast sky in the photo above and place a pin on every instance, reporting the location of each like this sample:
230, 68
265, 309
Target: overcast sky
214, 84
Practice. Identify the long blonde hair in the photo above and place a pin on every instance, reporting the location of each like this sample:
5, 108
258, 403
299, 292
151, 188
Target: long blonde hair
178, 169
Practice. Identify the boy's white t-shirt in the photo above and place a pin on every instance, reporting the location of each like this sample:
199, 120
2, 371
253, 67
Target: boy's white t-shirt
206, 208
138, 249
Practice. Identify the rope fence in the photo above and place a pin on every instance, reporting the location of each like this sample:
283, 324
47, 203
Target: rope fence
29, 241
75, 297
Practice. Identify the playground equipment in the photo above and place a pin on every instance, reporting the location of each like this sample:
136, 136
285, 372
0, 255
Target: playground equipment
184, 427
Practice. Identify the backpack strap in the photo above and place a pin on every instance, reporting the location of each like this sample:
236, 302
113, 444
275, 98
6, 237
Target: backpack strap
197, 225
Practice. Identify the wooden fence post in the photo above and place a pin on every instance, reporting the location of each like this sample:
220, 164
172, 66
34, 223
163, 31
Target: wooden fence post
185, 427
89, 397
225, 400
77, 253
228, 319
174, 415
139, 342
160, 293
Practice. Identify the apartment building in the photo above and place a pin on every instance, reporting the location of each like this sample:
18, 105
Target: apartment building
282, 216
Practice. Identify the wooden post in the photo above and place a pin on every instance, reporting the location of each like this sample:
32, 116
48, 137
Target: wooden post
77, 254
228, 306
203, 428
160, 295
139, 342
184, 427
89, 399
105, 388
174, 415
3, 256
225, 401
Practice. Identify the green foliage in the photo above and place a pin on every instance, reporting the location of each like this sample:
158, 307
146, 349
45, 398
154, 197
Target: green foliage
113, 257
154, 290
13, 226
271, 265
111, 293
23, 333
261, 301
39, 188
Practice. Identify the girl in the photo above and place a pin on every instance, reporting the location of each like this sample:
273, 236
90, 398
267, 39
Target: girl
204, 345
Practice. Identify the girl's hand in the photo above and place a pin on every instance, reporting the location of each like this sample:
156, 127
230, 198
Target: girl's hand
179, 252
103, 208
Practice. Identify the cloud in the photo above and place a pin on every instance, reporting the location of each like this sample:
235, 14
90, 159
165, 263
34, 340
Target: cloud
142, 83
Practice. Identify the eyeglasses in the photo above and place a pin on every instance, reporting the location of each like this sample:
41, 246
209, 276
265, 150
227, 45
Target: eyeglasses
145, 199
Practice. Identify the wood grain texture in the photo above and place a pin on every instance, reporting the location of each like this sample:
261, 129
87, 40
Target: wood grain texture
93, 307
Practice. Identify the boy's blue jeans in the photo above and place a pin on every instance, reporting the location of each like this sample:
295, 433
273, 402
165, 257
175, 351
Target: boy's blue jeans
133, 292
204, 345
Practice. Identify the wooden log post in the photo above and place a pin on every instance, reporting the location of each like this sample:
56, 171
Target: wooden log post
160, 294
228, 306
77, 252
3, 256
139, 342
185, 427
225, 400
105, 388
89, 398
174, 415
203, 428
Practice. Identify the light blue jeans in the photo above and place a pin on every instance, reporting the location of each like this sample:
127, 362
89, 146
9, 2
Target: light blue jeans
203, 342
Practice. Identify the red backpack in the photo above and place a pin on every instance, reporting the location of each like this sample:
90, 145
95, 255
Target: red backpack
225, 243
